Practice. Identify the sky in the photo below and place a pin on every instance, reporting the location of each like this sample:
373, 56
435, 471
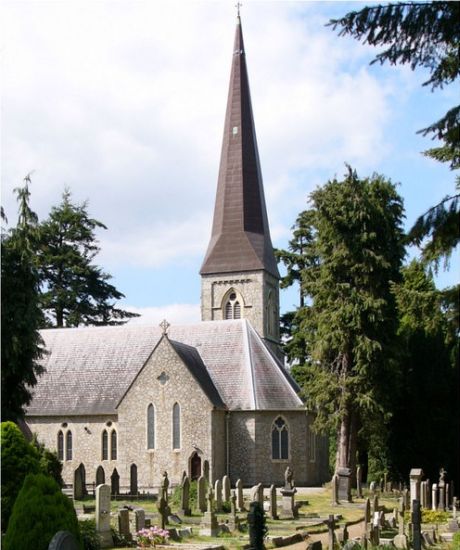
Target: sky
123, 102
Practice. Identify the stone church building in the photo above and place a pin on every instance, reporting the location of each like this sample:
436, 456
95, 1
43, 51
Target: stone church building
122, 404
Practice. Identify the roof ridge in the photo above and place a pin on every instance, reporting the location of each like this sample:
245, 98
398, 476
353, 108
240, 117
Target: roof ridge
247, 350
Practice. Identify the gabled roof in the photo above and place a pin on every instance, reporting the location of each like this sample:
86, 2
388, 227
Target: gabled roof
88, 370
240, 239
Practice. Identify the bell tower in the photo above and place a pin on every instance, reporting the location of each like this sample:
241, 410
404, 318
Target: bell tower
239, 275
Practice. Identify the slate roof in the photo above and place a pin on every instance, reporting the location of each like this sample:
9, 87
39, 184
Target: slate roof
240, 239
88, 370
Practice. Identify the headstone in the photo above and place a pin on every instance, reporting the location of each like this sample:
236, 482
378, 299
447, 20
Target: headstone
206, 470
416, 525
260, 494
103, 515
447, 503
359, 489
400, 542
454, 507
344, 484
254, 493
406, 496
226, 488
218, 493
139, 518
201, 494
209, 526
239, 496
185, 497
123, 523
415, 476
423, 494
401, 524
385, 481
373, 487
163, 510
428, 494
233, 521
330, 530
335, 490
164, 487
401, 505
375, 504
315, 545
78, 491
434, 496
342, 535
174, 518
452, 525
273, 506
63, 540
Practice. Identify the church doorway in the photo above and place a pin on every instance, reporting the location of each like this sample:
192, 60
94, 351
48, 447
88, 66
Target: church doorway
100, 476
195, 466
115, 483
133, 490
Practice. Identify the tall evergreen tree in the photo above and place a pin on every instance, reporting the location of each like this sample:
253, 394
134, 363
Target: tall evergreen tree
350, 325
422, 34
74, 291
21, 315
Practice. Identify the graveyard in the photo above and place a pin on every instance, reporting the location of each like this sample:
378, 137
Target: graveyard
200, 515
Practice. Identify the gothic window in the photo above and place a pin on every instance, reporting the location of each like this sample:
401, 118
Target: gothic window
113, 445
150, 427
68, 445
105, 445
280, 440
60, 445
232, 307
176, 426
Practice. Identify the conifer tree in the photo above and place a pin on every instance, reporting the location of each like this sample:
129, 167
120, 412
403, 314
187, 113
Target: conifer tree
75, 291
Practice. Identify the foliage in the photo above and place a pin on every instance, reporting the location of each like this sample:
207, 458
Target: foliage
20, 312
422, 34
257, 526
456, 541
193, 494
40, 511
19, 458
74, 291
49, 462
429, 516
91, 540
350, 326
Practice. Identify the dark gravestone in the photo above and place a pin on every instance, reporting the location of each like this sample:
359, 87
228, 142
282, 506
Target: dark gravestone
344, 475
416, 525
63, 540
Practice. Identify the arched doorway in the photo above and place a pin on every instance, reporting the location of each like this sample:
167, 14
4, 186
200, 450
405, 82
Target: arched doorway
115, 483
100, 476
195, 466
133, 480
79, 482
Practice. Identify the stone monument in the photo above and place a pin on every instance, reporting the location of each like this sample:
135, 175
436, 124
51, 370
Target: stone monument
103, 515
289, 509
344, 475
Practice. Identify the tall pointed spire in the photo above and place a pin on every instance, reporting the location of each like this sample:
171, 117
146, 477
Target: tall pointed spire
240, 239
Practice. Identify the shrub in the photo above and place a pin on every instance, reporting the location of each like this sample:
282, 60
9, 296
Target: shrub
19, 458
50, 464
90, 538
40, 510
456, 541
429, 516
257, 527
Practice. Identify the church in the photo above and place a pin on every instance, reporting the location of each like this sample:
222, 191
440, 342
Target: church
123, 404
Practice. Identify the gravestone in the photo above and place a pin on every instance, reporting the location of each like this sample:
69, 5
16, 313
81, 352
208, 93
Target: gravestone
185, 497
367, 519
330, 531
103, 515
423, 494
401, 542
201, 494
342, 535
218, 493
123, 523
260, 494
385, 481
415, 475
434, 496
139, 519
233, 521
273, 506
335, 490
373, 487
164, 487
428, 494
344, 484
359, 489
239, 496
163, 510
416, 517
226, 488
375, 504
209, 526
63, 540
206, 470
254, 493
78, 490
406, 496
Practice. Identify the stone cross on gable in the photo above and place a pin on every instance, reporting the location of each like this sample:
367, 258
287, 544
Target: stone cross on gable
164, 326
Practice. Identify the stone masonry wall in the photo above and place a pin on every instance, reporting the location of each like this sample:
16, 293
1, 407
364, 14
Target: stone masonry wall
164, 381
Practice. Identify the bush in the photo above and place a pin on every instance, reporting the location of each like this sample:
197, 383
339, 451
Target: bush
40, 511
50, 464
257, 527
19, 458
90, 538
456, 541
429, 516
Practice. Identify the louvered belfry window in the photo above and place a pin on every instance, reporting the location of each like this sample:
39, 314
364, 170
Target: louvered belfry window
60, 445
232, 309
113, 445
105, 445
176, 426
280, 440
150, 427
68, 445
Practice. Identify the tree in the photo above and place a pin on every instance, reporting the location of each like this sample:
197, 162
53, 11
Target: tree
74, 291
21, 315
350, 326
422, 34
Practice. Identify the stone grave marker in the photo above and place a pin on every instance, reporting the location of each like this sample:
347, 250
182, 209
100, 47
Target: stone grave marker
406, 496
103, 515
163, 510
415, 475
63, 540
233, 521
330, 530
239, 496
273, 505
123, 523
289, 509
373, 487
423, 494
375, 504
201, 494
434, 496
139, 518
209, 526
416, 517
335, 490
218, 493
185, 496
359, 489
344, 475
226, 488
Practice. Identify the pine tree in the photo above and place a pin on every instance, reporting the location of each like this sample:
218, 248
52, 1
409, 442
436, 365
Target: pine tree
21, 315
74, 291
422, 34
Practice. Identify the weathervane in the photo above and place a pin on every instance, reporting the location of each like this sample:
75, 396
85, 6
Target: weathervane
238, 6
164, 325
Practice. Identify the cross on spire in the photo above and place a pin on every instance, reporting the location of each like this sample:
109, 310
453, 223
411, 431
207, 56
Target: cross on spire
164, 326
238, 6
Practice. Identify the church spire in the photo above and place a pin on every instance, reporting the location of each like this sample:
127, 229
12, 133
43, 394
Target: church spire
240, 239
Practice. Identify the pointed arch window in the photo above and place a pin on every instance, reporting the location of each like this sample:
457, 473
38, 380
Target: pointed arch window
280, 440
68, 445
60, 445
232, 307
113, 445
151, 427
105, 445
176, 426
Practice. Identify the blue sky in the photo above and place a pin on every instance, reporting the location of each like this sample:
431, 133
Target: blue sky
124, 102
